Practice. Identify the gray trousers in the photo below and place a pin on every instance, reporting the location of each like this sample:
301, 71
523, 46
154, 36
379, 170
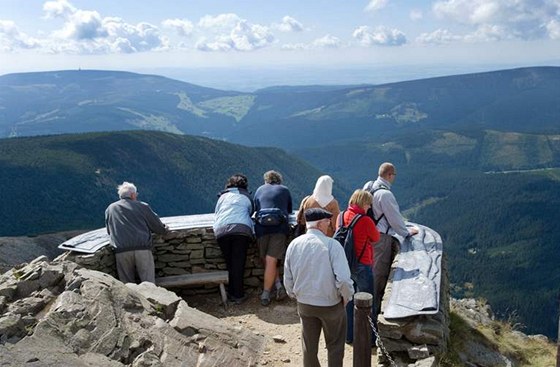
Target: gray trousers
132, 263
332, 320
385, 251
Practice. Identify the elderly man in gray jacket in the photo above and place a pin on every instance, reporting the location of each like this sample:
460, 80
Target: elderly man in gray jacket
390, 222
316, 274
130, 224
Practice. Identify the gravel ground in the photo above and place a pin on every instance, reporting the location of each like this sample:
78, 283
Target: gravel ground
278, 323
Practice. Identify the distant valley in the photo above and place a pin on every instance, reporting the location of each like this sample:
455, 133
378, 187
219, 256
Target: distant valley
449, 138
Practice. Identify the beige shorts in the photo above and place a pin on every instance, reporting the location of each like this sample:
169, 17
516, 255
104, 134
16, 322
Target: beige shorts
273, 245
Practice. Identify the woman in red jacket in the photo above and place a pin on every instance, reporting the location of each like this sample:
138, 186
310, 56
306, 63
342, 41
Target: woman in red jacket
365, 235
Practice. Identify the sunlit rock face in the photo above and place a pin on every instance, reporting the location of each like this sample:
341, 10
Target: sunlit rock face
61, 314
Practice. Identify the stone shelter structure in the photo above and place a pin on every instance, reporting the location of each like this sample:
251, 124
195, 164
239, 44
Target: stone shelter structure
413, 325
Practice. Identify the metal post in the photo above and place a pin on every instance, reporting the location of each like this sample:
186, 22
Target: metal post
558, 347
362, 330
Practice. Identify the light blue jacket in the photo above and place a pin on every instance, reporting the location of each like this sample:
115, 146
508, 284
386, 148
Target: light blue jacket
233, 213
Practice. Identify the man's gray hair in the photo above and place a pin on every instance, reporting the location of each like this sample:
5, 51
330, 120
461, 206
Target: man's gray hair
126, 189
272, 177
386, 168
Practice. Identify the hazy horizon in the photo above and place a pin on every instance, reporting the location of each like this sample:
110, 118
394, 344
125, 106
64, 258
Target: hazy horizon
250, 45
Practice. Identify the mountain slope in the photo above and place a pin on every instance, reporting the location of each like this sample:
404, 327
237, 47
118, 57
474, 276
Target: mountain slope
65, 182
518, 100
85, 101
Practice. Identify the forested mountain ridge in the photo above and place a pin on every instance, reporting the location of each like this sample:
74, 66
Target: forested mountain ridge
84, 100
65, 182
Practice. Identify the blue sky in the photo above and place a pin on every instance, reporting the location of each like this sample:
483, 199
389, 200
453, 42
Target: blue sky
257, 42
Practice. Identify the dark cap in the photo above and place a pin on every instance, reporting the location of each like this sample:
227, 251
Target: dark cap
314, 214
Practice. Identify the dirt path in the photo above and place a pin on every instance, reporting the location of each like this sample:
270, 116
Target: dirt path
277, 321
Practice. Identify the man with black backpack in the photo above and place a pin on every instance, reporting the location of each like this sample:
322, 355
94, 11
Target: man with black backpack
386, 214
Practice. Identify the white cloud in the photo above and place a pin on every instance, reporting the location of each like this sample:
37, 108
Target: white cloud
289, 24
328, 41
82, 25
11, 38
233, 33
87, 32
247, 37
415, 14
439, 36
501, 19
489, 32
295, 46
381, 36
553, 29
375, 5
58, 8
222, 21
183, 27
484, 33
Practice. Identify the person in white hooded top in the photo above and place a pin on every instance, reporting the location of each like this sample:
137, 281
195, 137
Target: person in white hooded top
321, 198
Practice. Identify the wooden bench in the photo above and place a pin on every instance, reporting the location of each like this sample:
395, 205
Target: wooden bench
215, 277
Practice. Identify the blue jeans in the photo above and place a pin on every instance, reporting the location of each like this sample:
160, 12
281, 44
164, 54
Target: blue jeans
363, 283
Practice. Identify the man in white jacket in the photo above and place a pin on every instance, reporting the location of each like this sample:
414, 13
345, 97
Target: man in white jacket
317, 275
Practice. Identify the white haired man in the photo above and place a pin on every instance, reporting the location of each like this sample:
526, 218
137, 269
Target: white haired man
390, 222
317, 275
130, 224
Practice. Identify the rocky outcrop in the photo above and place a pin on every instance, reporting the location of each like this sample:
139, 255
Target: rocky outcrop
18, 250
62, 314
491, 343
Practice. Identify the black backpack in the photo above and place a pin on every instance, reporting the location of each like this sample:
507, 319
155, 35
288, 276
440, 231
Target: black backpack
344, 235
372, 191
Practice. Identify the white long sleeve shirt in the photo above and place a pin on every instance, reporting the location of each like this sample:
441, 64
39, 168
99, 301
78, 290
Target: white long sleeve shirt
384, 202
316, 271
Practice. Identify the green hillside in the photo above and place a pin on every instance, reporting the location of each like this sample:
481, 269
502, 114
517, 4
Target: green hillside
88, 100
523, 100
65, 182
520, 100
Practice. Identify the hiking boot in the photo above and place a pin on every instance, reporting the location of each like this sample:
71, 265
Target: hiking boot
265, 298
281, 293
238, 300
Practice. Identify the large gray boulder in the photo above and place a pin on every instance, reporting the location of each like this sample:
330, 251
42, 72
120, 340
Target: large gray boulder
58, 314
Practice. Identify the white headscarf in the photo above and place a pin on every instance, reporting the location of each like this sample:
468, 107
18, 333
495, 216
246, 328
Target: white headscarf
323, 190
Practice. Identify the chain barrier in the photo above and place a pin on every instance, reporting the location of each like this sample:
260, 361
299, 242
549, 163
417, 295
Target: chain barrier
380, 343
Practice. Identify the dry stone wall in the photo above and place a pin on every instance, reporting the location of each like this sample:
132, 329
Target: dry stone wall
416, 340
180, 252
